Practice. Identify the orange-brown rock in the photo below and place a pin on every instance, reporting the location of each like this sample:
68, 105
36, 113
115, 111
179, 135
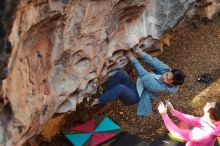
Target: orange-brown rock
63, 49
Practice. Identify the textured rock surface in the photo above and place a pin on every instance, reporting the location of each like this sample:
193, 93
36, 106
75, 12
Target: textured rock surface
63, 49
207, 8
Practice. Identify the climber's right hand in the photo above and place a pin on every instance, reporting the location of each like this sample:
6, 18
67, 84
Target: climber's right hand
129, 54
138, 51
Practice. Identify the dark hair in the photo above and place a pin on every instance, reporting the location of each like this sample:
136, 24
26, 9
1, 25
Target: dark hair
178, 77
214, 113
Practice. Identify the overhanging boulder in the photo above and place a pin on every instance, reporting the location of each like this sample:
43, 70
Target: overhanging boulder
62, 50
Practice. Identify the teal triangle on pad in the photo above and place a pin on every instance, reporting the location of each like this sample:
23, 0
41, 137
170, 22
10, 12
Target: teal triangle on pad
107, 125
78, 139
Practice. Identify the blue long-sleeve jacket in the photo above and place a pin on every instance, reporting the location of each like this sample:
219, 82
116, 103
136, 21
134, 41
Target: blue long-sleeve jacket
149, 86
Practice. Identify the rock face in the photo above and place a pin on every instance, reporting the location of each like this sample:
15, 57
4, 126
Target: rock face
63, 49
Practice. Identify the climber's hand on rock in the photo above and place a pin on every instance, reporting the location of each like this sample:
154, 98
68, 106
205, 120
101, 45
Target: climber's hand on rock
138, 51
129, 54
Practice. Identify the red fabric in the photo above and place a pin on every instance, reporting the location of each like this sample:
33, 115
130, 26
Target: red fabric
98, 138
86, 127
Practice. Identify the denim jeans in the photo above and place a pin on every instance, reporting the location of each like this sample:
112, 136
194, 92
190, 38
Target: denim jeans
122, 87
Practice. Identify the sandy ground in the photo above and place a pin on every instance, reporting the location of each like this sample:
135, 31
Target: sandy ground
195, 51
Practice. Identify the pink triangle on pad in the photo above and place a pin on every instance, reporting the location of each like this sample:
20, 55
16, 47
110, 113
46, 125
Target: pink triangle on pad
98, 138
86, 127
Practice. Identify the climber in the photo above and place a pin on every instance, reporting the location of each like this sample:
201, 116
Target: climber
148, 85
